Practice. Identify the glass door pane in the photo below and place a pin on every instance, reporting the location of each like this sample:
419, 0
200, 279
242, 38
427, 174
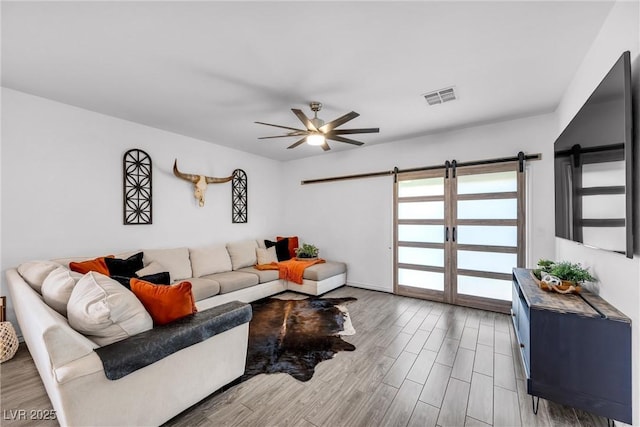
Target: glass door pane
488, 209
495, 182
421, 187
421, 210
484, 287
487, 235
421, 279
420, 233
487, 261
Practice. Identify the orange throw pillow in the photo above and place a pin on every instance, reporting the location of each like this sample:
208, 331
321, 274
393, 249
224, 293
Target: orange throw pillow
165, 303
98, 265
293, 244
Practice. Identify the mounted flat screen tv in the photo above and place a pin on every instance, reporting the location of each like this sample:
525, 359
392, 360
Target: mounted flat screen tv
594, 167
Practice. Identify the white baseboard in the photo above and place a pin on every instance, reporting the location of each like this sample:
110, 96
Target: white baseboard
369, 286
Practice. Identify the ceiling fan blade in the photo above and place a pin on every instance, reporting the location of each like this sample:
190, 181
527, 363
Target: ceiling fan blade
327, 127
278, 126
299, 133
304, 119
351, 131
341, 139
295, 144
325, 146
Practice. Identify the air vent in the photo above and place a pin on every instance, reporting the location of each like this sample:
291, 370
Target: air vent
440, 96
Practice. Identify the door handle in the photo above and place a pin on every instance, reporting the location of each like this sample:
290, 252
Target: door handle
453, 234
446, 234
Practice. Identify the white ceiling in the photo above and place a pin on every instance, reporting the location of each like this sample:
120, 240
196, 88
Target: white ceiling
210, 69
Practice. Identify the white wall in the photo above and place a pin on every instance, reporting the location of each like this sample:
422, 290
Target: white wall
62, 185
352, 220
619, 276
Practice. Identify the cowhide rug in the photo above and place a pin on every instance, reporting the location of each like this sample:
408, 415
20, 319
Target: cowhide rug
293, 336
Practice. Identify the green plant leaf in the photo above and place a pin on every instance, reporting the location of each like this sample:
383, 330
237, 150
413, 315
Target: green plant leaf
565, 270
307, 251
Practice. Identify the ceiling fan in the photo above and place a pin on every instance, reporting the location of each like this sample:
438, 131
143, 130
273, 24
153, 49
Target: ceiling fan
317, 131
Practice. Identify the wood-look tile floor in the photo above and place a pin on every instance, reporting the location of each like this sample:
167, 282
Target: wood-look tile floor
416, 363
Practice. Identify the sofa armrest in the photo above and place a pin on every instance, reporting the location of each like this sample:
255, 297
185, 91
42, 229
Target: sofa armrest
64, 347
51, 341
86, 365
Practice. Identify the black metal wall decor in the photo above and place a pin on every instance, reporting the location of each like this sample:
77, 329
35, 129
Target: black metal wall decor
136, 181
239, 197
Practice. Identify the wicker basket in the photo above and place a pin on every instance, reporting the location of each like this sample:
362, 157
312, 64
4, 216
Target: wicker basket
8, 341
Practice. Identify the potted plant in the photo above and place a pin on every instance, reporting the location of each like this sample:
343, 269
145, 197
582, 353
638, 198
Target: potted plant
563, 276
307, 251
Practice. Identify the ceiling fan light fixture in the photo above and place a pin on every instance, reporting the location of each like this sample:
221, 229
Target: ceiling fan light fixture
315, 139
316, 132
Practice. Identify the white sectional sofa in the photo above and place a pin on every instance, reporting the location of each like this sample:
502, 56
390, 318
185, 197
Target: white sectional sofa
73, 373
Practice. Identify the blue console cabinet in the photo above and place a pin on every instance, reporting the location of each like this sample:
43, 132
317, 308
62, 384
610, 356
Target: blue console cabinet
575, 349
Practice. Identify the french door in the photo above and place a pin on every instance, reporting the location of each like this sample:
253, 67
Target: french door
458, 233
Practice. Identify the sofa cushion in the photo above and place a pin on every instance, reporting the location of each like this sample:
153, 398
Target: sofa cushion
96, 264
266, 256
243, 254
325, 270
163, 278
204, 288
57, 288
234, 280
124, 267
209, 260
165, 303
157, 279
106, 311
293, 244
260, 242
34, 272
154, 267
176, 261
264, 276
282, 248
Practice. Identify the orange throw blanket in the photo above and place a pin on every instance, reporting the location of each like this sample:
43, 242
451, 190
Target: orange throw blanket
291, 270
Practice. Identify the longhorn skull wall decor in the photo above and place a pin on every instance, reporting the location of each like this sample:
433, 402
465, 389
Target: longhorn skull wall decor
199, 182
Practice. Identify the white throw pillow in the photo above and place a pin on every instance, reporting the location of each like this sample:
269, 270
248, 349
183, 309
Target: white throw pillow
106, 311
34, 272
243, 254
153, 268
266, 256
175, 260
209, 260
57, 288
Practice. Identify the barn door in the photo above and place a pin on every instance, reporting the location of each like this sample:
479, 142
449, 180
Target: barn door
458, 234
